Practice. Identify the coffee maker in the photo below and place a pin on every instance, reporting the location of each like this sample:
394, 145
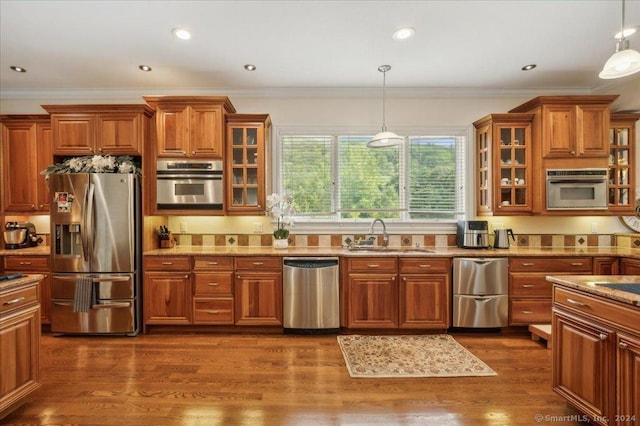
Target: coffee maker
473, 234
20, 235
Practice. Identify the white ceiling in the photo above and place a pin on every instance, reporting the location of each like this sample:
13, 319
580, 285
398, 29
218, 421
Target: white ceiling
481, 45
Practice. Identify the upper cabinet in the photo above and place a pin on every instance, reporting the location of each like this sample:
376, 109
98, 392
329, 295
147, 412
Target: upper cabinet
621, 154
570, 127
99, 129
190, 126
26, 151
248, 143
503, 164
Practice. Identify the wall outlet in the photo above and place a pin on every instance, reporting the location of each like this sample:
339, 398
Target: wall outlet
594, 228
257, 227
183, 227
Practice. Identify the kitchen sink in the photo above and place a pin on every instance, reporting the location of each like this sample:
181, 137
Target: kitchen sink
378, 249
626, 287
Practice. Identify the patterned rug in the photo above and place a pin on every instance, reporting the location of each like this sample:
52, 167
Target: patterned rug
409, 356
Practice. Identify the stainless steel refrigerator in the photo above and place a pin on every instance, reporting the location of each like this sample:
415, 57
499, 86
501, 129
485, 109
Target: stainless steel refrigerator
96, 253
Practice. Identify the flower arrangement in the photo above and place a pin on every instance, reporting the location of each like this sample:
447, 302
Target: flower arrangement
280, 207
94, 164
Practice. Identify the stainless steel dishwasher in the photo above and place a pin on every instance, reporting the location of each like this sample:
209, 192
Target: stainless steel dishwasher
480, 292
310, 299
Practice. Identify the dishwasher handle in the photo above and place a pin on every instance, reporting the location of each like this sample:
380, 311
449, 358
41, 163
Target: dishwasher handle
310, 262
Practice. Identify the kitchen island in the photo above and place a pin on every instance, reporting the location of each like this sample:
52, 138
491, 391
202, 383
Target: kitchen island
19, 340
596, 345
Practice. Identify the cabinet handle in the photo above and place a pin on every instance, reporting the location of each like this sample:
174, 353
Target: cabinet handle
41, 206
373, 265
213, 284
212, 263
527, 285
527, 312
528, 264
424, 266
573, 153
14, 301
33, 206
193, 153
25, 263
214, 312
575, 302
100, 149
167, 263
602, 336
186, 276
623, 345
258, 263
576, 263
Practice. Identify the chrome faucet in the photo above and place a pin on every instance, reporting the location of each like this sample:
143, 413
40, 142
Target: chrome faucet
385, 236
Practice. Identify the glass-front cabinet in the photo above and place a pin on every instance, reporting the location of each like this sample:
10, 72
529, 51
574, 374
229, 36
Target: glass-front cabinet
503, 164
622, 198
248, 139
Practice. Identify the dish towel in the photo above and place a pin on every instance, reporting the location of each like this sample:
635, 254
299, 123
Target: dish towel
84, 296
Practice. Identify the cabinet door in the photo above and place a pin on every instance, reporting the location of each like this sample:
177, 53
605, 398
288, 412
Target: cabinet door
629, 266
621, 163
119, 133
246, 160
424, 301
167, 298
484, 174
584, 364
628, 375
44, 158
258, 298
172, 125
558, 131
206, 132
372, 301
19, 156
592, 133
73, 134
605, 266
513, 160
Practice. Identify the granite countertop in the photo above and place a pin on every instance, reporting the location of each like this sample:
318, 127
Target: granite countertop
593, 284
27, 251
18, 282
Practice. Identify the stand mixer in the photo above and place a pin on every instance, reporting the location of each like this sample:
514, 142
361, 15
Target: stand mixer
20, 235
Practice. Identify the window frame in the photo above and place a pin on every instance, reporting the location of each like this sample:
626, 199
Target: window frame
346, 226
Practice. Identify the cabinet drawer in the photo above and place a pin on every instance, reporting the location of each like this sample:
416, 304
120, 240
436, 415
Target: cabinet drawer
18, 298
369, 264
419, 265
213, 310
550, 264
213, 283
167, 263
213, 262
620, 313
530, 311
259, 263
26, 263
530, 285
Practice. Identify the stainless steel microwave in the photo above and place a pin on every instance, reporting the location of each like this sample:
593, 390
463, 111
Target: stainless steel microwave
576, 189
189, 185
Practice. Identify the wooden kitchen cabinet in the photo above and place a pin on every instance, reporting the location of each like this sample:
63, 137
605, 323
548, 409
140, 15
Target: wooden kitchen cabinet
190, 126
26, 151
530, 294
606, 265
569, 127
19, 345
503, 164
258, 291
34, 265
596, 355
370, 292
80, 130
213, 301
621, 164
424, 292
248, 147
167, 290
629, 266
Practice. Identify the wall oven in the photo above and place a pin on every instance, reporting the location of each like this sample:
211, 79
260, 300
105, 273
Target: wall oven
189, 184
576, 189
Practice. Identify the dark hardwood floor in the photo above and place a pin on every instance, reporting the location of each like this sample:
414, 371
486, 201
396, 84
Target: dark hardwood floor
213, 379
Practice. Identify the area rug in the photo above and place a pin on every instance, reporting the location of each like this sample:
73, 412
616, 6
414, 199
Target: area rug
436, 355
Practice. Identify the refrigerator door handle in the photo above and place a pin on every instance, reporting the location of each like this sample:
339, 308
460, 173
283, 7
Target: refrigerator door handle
83, 227
89, 219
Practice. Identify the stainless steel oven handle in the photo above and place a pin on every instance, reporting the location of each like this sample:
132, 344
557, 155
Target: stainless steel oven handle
99, 306
185, 176
95, 280
560, 181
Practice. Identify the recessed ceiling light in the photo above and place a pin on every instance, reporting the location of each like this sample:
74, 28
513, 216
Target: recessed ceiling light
403, 33
181, 33
528, 67
145, 68
18, 69
250, 67
626, 32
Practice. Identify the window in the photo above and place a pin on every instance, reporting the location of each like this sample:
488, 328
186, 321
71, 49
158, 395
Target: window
337, 178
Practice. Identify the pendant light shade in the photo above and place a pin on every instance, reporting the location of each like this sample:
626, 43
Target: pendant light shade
624, 62
384, 138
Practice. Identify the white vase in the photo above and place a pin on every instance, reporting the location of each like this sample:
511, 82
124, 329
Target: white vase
280, 244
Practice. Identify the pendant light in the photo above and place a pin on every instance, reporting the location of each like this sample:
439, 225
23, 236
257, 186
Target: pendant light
384, 138
625, 61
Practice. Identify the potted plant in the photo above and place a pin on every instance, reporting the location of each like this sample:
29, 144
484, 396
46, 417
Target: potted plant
280, 207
